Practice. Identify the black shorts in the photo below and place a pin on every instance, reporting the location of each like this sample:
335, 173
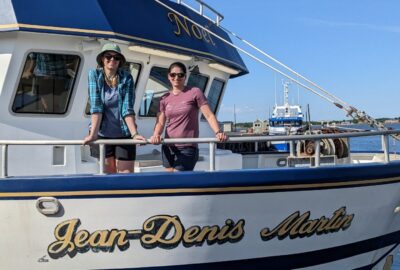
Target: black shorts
120, 152
181, 159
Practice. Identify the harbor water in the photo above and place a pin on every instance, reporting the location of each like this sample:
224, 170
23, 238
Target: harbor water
373, 143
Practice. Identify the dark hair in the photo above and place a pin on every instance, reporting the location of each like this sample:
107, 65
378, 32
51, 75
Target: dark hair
179, 65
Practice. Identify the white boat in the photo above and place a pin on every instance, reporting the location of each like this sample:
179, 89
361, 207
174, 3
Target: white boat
261, 211
286, 119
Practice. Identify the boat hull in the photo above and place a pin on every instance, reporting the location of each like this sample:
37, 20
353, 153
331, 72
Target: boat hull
325, 218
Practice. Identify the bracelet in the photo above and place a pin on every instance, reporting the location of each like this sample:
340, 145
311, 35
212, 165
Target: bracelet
134, 135
219, 131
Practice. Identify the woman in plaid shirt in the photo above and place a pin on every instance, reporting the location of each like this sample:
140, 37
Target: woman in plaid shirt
111, 99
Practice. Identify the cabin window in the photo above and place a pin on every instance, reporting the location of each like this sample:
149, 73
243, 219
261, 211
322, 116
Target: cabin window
214, 95
46, 83
133, 68
156, 87
198, 80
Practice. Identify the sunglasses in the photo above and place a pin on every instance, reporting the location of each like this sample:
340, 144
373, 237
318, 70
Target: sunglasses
111, 56
179, 75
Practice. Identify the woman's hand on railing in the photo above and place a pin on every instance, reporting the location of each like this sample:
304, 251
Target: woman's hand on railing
155, 139
221, 136
89, 138
139, 137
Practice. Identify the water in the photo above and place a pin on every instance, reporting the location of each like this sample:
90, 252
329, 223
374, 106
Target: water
374, 144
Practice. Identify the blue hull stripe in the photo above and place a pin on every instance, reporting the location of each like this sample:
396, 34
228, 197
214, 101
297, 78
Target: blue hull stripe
200, 183
299, 260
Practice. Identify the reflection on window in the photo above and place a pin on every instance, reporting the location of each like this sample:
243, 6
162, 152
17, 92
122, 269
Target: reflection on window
214, 95
198, 80
46, 83
156, 87
133, 68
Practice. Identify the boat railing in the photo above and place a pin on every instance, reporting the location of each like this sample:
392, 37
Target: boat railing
211, 142
202, 10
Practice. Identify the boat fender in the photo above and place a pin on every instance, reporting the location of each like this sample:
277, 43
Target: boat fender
47, 205
281, 162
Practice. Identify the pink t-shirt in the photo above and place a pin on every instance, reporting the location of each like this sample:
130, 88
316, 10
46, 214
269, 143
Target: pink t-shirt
182, 113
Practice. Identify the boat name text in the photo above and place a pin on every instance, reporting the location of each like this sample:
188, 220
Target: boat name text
297, 225
168, 232
162, 231
192, 30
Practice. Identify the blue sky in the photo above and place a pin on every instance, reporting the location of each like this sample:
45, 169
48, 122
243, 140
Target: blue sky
350, 48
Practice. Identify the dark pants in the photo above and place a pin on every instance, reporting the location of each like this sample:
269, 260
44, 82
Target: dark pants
181, 159
119, 152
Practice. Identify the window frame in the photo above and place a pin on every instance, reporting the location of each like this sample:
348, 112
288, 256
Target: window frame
144, 90
207, 82
202, 118
71, 95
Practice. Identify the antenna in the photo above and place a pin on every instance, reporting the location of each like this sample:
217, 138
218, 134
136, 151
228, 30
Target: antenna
309, 117
298, 92
306, 83
286, 92
234, 117
276, 104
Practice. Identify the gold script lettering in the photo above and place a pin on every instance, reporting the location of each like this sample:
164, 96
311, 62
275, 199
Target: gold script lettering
64, 233
174, 18
192, 30
70, 241
298, 226
156, 230
230, 232
161, 231
196, 32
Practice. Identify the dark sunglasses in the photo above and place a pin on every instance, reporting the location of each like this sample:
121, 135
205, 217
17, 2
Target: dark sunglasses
180, 75
111, 56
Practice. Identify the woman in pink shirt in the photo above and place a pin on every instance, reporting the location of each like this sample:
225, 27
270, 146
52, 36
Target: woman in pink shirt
179, 112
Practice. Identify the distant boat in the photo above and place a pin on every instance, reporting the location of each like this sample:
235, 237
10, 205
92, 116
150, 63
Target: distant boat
318, 206
286, 119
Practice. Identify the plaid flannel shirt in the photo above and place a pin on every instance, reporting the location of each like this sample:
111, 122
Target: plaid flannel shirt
47, 64
126, 94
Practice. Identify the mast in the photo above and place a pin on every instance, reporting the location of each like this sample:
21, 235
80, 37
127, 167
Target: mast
286, 93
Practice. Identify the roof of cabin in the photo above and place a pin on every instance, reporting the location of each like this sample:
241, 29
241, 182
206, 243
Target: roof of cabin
142, 22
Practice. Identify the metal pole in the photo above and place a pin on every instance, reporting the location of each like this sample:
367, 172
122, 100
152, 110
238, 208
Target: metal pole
291, 145
102, 158
385, 147
4, 156
317, 152
212, 156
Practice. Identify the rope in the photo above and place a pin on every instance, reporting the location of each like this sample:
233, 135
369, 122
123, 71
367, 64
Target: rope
351, 111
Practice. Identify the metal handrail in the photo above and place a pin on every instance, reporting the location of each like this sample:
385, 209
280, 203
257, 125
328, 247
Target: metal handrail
210, 141
207, 140
219, 16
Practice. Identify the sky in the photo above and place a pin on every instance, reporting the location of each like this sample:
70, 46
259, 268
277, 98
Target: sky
349, 48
